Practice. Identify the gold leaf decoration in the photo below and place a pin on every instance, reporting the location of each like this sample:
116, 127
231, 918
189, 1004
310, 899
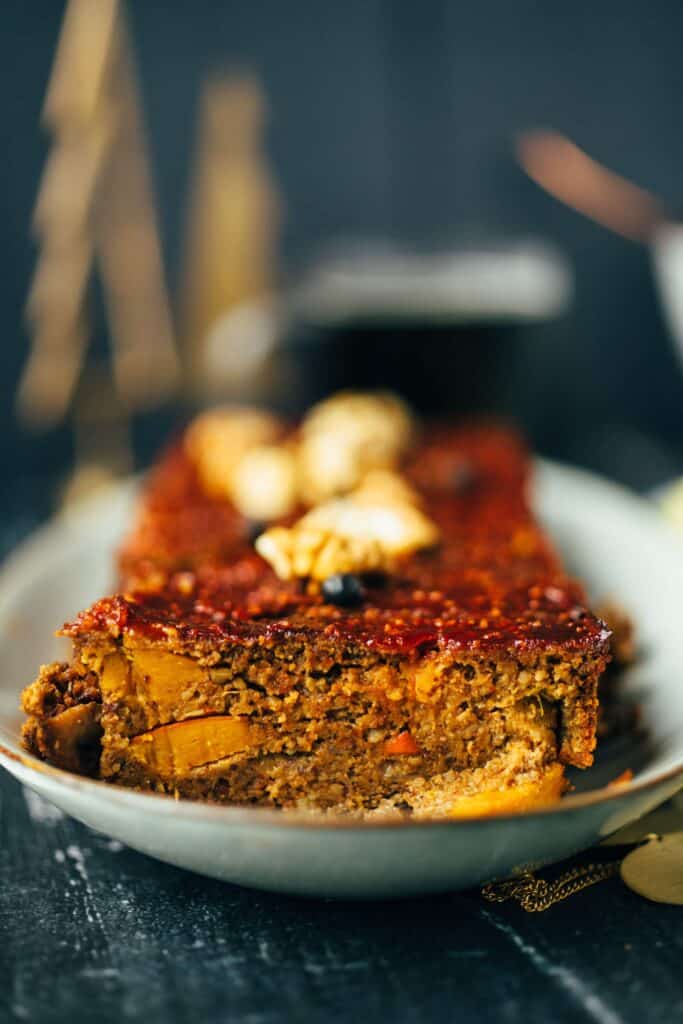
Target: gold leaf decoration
536, 894
655, 870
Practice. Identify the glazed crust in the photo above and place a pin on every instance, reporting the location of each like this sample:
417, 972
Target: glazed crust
494, 583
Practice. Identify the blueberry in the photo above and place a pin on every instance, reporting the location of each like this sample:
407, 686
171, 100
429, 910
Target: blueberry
343, 588
254, 528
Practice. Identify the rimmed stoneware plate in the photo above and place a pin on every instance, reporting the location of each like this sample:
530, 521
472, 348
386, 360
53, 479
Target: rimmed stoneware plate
613, 540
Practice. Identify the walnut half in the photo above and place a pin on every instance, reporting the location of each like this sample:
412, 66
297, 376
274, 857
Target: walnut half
354, 534
217, 440
349, 434
265, 482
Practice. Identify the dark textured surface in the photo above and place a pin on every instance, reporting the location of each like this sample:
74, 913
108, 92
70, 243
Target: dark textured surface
95, 932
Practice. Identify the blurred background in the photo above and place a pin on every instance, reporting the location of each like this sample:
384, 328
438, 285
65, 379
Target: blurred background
337, 200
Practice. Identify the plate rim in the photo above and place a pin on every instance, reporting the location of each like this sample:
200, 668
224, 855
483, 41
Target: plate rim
27, 555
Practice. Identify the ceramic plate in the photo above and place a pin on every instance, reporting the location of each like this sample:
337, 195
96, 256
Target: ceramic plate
613, 540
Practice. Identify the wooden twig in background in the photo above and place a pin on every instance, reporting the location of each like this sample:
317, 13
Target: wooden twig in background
96, 208
232, 233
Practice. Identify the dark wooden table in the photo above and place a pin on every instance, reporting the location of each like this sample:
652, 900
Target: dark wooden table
95, 932
91, 931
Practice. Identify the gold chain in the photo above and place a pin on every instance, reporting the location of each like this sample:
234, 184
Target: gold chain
535, 894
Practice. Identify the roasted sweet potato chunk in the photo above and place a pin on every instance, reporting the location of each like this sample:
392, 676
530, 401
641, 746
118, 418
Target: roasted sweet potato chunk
174, 750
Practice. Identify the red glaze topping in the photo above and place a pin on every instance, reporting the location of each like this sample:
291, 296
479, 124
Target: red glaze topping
495, 583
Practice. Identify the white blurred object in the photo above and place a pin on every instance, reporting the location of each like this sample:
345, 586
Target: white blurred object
366, 279
667, 258
505, 280
240, 341
670, 501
